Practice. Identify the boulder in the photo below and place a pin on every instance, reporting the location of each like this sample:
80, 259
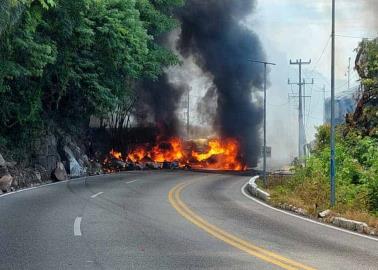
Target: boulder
5, 182
60, 173
325, 213
6, 178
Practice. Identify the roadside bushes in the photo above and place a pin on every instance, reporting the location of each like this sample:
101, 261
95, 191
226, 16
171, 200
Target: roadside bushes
356, 177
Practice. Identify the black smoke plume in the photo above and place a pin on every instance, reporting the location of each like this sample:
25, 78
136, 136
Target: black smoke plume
158, 103
212, 32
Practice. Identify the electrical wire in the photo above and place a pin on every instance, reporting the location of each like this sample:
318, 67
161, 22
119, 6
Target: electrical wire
356, 37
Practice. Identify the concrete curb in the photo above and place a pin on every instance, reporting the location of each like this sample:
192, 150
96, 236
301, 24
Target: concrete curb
352, 225
257, 192
348, 224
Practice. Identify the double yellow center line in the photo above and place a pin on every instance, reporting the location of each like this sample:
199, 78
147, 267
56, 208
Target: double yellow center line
263, 254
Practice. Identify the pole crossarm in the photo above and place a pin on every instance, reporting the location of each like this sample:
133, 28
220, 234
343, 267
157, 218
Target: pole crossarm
300, 62
302, 83
262, 62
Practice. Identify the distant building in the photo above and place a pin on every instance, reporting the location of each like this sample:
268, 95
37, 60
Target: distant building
345, 103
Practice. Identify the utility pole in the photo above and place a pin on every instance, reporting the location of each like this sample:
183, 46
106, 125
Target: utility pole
332, 161
301, 135
188, 115
265, 86
304, 99
304, 83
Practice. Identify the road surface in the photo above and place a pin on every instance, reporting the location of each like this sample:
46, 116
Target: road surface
165, 220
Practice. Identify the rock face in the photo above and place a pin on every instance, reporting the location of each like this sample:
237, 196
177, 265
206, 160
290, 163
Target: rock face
2, 161
27, 177
60, 147
76, 161
47, 152
76, 168
60, 173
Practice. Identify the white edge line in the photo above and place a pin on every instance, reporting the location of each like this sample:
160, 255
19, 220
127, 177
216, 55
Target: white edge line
131, 182
97, 194
54, 183
303, 218
77, 223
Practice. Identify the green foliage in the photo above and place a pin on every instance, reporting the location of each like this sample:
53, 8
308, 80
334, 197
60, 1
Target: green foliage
356, 177
356, 152
365, 118
322, 137
373, 195
24, 55
370, 65
64, 61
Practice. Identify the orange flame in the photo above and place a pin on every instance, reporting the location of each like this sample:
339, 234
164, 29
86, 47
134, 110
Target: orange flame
115, 154
221, 155
216, 154
168, 151
138, 154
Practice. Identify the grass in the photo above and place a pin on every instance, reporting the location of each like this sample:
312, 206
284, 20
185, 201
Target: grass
313, 196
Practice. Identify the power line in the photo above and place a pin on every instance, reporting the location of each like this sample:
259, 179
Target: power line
321, 55
356, 37
319, 59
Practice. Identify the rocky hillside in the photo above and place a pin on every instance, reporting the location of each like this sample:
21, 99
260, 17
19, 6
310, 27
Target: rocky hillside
57, 157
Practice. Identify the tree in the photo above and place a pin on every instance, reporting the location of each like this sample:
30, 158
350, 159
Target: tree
62, 61
24, 54
365, 117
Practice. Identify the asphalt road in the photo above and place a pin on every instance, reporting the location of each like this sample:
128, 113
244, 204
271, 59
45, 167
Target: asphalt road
165, 220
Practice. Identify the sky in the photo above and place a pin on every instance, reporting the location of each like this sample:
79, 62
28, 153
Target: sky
291, 30
300, 29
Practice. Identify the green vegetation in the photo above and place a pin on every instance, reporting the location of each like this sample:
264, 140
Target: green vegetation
356, 157
62, 61
365, 118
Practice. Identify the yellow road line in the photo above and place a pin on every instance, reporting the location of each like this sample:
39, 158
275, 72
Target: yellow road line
263, 254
